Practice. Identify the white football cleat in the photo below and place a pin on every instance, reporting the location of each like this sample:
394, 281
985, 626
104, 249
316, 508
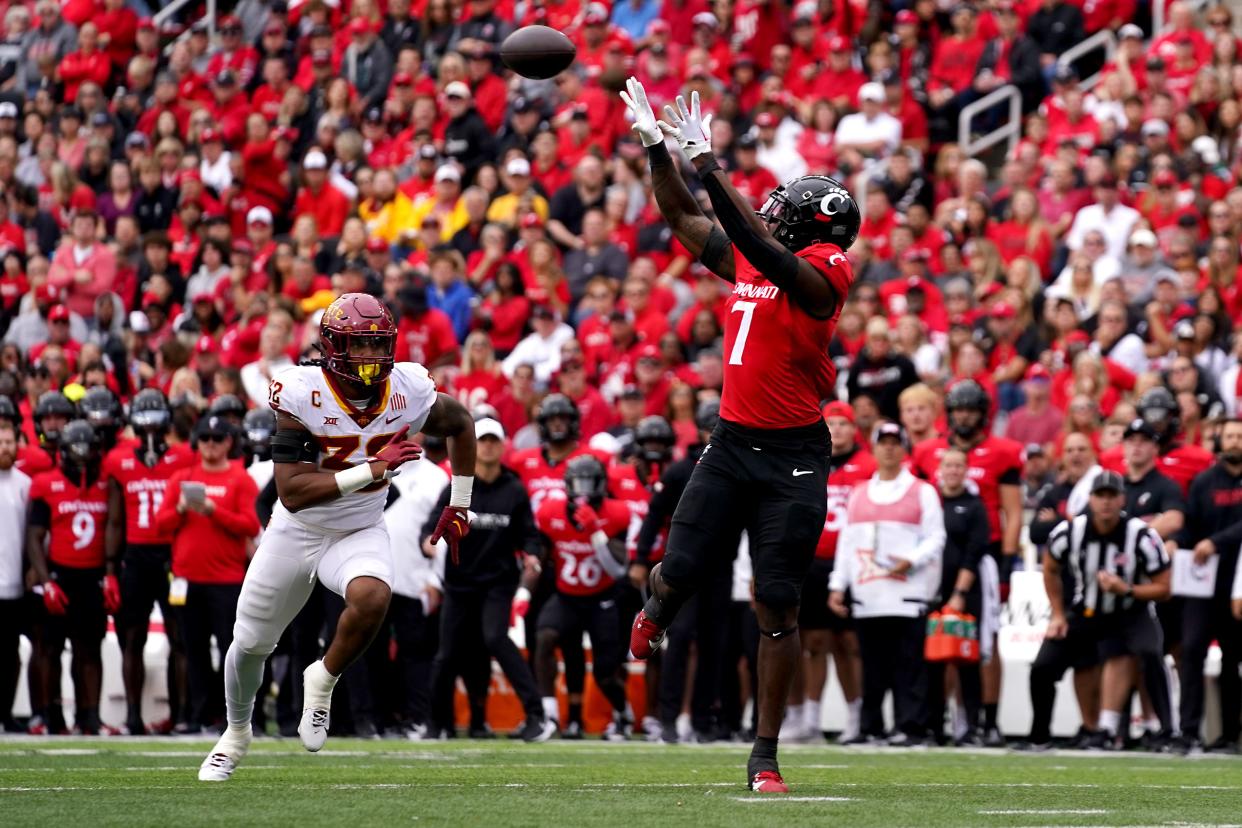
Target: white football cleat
224, 758
317, 685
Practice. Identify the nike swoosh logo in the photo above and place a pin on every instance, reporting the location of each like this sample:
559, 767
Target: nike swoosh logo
797, 473
392, 419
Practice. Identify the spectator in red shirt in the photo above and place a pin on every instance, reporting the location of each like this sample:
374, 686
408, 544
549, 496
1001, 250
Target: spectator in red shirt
88, 63
118, 31
424, 334
209, 509
480, 380
234, 54
318, 198
839, 82
1181, 26
83, 267
229, 107
1023, 232
952, 70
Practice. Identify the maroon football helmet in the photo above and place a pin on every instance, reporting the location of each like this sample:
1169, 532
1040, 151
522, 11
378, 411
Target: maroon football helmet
352, 321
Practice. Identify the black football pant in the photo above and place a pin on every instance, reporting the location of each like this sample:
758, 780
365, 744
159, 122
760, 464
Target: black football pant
210, 609
474, 624
10, 664
892, 661
699, 622
416, 635
1205, 620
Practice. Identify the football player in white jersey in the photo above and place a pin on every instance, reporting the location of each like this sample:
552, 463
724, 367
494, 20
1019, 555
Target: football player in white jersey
341, 435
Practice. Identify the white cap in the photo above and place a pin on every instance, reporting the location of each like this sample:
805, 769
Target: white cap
447, 172
315, 160
8, 109
1143, 238
1129, 30
487, 427
138, 322
518, 166
605, 442
1155, 126
706, 18
1207, 149
259, 215
457, 89
871, 92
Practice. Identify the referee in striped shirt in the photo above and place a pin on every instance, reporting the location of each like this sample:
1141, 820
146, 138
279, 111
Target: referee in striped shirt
1102, 571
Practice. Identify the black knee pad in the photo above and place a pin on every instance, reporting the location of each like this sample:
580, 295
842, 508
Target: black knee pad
778, 594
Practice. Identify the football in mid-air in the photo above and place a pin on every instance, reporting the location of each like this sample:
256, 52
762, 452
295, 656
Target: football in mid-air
537, 52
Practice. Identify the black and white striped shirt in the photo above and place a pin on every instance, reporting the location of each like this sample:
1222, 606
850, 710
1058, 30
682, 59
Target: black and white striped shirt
1132, 551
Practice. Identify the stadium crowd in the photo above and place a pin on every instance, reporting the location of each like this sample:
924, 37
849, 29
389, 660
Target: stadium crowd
182, 203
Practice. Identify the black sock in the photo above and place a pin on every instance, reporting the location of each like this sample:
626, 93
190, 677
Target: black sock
575, 712
135, 712
762, 757
659, 612
989, 716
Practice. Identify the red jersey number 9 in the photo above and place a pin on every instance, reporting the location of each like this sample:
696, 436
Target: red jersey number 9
83, 527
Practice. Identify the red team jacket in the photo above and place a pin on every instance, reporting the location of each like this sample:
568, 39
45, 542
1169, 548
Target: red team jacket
577, 570
77, 518
777, 367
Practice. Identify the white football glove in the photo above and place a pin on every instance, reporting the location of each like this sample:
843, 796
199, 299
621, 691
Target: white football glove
688, 127
644, 119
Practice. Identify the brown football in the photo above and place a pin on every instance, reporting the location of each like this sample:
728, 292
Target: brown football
538, 52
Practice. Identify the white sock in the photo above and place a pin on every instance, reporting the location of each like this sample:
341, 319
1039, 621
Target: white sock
243, 673
854, 719
551, 710
793, 713
811, 715
1152, 724
319, 684
1110, 720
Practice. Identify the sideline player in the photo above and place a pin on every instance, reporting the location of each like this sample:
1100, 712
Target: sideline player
766, 467
994, 472
68, 512
137, 473
341, 435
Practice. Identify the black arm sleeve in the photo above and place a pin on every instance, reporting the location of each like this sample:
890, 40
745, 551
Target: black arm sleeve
773, 260
293, 445
976, 545
659, 511
1041, 529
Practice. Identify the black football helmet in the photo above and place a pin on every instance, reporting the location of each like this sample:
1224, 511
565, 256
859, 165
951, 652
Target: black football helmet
80, 451
9, 412
707, 415
258, 427
230, 407
654, 439
586, 479
1159, 409
150, 417
102, 410
967, 395
57, 407
558, 405
812, 209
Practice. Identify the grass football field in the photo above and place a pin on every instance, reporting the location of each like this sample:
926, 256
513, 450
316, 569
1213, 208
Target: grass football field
74, 782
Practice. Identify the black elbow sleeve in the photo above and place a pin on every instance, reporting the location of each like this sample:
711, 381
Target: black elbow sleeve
292, 445
770, 258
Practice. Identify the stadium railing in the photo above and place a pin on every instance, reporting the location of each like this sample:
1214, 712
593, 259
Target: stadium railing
1009, 130
1103, 39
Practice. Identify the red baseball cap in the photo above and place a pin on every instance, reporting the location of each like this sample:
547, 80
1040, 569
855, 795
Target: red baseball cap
204, 345
906, 17
838, 44
208, 135
403, 79
1164, 178
376, 245
839, 408
58, 313
146, 23
992, 289
765, 119
1077, 338
47, 293
359, 25
1037, 372
531, 220
243, 246
1002, 310
649, 351
151, 298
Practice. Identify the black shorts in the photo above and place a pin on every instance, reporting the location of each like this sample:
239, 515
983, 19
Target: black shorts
813, 613
1135, 632
85, 619
770, 483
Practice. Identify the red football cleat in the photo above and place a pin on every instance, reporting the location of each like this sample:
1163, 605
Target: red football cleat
645, 637
768, 782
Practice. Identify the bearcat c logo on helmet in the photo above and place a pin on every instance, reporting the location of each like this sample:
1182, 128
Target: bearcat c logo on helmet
836, 201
